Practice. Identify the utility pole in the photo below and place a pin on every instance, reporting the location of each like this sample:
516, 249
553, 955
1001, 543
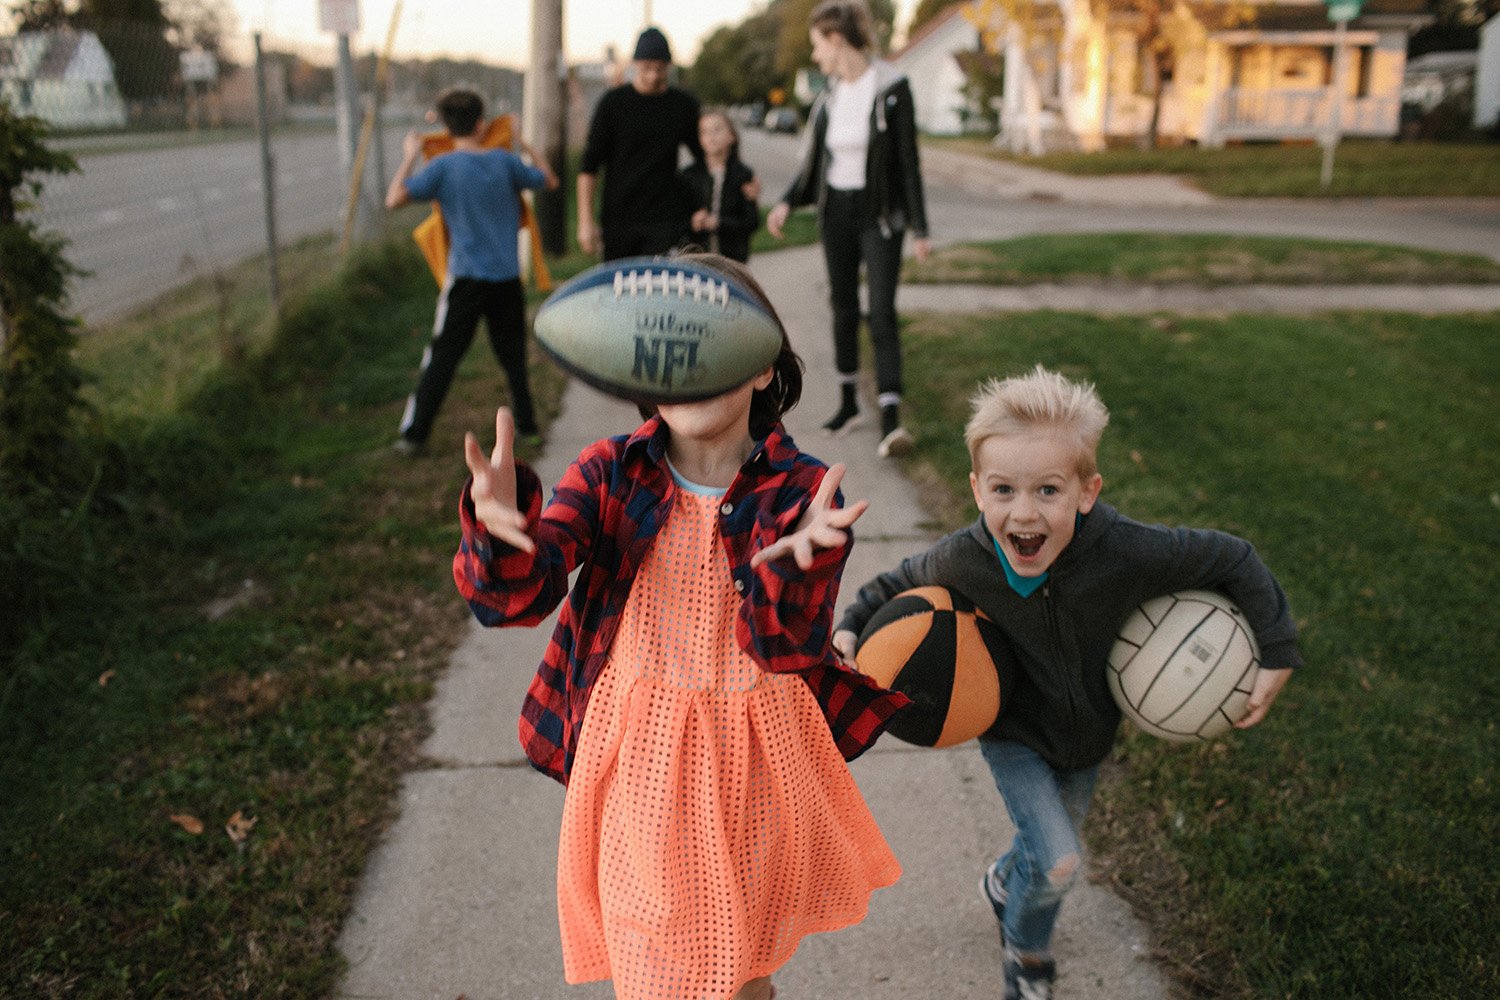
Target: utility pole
544, 117
267, 177
341, 18
346, 116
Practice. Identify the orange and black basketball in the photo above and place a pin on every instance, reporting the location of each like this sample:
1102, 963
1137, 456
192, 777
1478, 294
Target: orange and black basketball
935, 647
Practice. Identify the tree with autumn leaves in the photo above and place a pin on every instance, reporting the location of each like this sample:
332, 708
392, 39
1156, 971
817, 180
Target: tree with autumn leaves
746, 62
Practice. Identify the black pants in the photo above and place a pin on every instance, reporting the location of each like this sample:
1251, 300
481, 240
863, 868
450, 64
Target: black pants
460, 305
641, 239
849, 237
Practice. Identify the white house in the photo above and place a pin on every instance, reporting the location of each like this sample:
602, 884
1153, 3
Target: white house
1487, 76
64, 77
1075, 73
937, 79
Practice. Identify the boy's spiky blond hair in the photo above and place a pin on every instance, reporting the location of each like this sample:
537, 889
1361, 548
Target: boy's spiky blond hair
1039, 399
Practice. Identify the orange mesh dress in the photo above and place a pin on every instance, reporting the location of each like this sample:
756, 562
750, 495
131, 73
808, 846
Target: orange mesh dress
710, 821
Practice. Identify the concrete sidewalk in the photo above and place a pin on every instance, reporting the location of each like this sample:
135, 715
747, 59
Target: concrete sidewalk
460, 899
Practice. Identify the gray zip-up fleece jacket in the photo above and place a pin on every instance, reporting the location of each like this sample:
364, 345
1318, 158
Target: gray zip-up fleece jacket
1063, 632
893, 172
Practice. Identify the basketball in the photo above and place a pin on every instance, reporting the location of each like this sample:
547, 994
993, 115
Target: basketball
935, 647
658, 330
1183, 666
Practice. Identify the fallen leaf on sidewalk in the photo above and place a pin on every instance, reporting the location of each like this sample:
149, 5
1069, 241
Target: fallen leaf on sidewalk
192, 824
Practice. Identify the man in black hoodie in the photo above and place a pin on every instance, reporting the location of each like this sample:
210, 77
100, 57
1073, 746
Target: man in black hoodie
634, 137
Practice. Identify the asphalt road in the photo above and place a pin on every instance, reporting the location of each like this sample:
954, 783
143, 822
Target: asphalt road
144, 222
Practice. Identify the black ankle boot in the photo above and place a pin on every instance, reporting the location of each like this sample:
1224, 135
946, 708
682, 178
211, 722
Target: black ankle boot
847, 418
894, 439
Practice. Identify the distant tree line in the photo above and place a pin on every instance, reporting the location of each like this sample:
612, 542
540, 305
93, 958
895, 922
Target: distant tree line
749, 61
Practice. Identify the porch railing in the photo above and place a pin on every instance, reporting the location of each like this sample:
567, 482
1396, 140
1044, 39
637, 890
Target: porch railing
1242, 113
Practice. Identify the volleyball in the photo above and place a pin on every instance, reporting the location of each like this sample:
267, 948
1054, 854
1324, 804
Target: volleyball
935, 647
1183, 666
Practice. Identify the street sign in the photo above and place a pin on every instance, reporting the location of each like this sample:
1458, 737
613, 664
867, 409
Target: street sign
1340, 11
199, 66
339, 17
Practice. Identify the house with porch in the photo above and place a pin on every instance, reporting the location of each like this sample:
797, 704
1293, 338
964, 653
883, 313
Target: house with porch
64, 77
1076, 73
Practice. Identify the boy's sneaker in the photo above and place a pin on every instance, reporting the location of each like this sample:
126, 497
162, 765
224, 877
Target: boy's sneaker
406, 447
1028, 982
992, 891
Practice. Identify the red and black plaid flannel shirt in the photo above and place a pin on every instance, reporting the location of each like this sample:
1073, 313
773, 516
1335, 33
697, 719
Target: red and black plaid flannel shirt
605, 515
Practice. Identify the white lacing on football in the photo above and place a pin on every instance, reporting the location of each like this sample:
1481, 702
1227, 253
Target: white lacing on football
679, 283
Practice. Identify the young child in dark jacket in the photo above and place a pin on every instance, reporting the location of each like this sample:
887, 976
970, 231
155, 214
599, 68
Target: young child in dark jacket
1059, 572
725, 213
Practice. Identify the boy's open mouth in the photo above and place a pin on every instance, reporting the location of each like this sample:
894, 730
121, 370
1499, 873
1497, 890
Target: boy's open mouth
1027, 545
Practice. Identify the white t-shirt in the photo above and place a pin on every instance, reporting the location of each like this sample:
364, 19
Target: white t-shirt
848, 136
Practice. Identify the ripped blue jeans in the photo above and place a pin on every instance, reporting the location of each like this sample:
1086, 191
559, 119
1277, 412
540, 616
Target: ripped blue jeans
1047, 807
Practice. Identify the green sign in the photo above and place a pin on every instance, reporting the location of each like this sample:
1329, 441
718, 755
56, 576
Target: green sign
1343, 10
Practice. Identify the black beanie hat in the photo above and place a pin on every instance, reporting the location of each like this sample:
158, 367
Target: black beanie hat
653, 45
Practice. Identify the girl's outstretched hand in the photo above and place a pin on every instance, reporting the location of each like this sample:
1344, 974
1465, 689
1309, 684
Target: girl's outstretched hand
822, 526
494, 489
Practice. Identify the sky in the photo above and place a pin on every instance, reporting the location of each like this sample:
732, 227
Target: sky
499, 31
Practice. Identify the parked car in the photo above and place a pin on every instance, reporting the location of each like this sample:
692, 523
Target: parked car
781, 120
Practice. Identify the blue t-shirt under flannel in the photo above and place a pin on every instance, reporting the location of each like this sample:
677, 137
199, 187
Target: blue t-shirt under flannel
479, 193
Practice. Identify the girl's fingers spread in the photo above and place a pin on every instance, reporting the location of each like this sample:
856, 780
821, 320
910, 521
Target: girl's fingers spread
848, 515
505, 435
474, 455
829, 486
766, 554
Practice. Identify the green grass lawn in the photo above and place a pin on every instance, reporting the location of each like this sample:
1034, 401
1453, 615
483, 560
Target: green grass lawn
1198, 259
278, 602
1345, 847
1366, 168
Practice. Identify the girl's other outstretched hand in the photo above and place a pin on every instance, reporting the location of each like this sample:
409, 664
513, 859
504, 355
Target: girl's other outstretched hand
822, 526
494, 489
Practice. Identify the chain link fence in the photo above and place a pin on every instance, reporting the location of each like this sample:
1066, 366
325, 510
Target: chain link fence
172, 185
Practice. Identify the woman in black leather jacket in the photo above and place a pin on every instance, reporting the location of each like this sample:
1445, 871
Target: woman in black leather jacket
860, 168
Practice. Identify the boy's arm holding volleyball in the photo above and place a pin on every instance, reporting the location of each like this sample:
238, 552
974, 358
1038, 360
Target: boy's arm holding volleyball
1217, 560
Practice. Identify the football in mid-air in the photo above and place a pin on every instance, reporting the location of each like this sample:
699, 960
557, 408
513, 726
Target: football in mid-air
658, 330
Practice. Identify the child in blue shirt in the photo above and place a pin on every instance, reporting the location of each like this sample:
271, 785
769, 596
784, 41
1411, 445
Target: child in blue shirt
479, 192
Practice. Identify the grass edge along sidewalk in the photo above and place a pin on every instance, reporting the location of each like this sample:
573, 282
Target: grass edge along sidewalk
1329, 852
202, 747
1197, 259
1367, 169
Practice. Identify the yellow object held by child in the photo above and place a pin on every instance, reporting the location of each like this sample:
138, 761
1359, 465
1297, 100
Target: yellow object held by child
431, 233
